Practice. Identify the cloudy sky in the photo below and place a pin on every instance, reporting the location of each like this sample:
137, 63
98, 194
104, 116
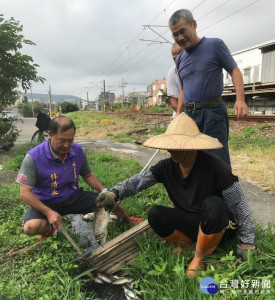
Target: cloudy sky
80, 43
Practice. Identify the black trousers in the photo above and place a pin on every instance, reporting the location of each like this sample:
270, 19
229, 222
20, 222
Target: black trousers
213, 217
82, 204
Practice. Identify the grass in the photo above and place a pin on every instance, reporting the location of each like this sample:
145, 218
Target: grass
253, 156
51, 271
98, 125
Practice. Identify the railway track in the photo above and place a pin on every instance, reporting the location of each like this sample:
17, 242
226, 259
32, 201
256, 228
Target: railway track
252, 118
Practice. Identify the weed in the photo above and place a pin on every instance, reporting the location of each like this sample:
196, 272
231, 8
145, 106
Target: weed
250, 139
264, 126
50, 270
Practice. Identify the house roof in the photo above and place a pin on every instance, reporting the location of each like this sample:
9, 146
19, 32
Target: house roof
259, 46
161, 92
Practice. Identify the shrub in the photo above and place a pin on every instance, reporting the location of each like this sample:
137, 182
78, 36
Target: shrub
68, 107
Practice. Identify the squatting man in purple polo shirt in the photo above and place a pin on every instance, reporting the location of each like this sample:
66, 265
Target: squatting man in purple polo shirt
48, 181
208, 203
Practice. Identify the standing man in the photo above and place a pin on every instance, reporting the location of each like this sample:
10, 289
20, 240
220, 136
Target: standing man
173, 80
200, 70
48, 180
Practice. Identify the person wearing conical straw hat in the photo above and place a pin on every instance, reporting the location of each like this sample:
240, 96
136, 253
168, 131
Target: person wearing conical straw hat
208, 201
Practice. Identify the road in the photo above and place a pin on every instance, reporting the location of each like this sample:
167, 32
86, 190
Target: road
26, 126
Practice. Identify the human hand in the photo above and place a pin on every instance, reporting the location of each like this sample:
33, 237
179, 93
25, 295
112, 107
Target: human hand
240, 108
54, 219
242, 250
105, 199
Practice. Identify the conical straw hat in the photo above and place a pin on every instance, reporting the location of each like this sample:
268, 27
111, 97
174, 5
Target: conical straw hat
183, 134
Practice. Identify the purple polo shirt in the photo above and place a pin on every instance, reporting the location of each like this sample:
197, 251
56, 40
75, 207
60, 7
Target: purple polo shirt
56, 181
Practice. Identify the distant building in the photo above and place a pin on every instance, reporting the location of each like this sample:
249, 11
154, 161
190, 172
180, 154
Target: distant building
109, 98
140, 97
159, 89
257, 65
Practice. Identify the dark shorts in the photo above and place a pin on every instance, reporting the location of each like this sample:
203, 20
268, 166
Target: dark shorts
213, 218
82, 204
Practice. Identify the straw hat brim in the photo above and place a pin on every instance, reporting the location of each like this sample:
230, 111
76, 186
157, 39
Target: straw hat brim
166, 141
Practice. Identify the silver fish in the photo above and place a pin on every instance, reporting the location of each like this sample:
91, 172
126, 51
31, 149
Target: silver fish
104, 278
89, 217
100, 225
97, 280
85, 280
130, 294
122, 280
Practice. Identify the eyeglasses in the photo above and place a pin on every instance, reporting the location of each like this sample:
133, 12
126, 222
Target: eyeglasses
181, 32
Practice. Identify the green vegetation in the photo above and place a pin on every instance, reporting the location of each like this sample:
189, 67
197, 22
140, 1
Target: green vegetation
26, 107
230, 111
67, 107
156, 109
91, 120
251, 139
17, 69
162, 275
51, 271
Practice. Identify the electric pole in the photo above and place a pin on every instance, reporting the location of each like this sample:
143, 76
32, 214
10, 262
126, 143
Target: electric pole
50, 101
32, 104
88, 101
104, 97
123, 85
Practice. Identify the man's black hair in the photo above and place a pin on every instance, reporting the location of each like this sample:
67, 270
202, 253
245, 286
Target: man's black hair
56, 123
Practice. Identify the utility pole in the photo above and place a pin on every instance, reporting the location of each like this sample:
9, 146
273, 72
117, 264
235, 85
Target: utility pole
50, 101
32, 104
104, 97
123, 85
88, 106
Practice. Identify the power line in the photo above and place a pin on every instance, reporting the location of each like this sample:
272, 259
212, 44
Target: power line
229, 15
198, 5
135, 39
162, 12
147, 56
128, 61
213, 10
124, 50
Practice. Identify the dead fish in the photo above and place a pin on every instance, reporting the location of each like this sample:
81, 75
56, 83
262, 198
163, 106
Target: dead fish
104, 278
100, 225
85, 280
122, 280
113, 217
97, 280
130, 294
89, 217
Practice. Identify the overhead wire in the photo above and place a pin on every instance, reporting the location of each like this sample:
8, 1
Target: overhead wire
135, 39
168, 29
229, 15
213, 10
124, 50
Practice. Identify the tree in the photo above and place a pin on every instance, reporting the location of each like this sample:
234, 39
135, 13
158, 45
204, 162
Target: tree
25, 99
68, 107
16, 69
